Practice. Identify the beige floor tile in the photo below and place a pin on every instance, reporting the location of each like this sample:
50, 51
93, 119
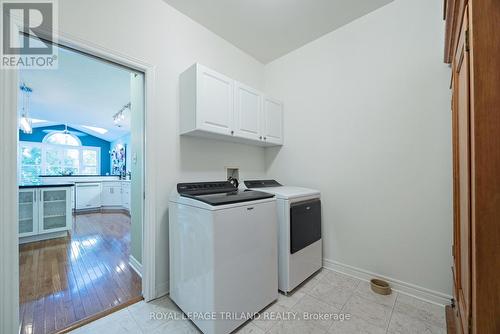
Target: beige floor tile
335, 295
310, 283
309, 306
325, 293
291, 299
338, 279
154, 314
249, 328
364, 290
355, 325
268, 317
421, 310
373, 313
402, 323
115, 323
295, 327
176, 327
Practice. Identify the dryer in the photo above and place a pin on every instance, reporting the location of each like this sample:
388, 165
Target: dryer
299, 231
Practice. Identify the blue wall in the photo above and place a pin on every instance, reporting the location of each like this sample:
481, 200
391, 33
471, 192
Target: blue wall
88, 140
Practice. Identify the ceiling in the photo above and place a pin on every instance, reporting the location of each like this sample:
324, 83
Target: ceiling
269, 29
82, 91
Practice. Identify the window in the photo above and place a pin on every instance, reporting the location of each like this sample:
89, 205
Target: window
61, 138
57, 159
31, 162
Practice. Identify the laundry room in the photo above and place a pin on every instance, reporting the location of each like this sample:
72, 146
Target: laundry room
269, 167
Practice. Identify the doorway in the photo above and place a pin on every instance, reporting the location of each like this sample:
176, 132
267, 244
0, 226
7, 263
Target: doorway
81, 191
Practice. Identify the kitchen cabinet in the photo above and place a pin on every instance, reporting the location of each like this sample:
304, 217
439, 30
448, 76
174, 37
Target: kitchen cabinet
103, 194
88, 195
43, 211
471, 47
28, 212
125, 201
111, 194
54, 210
215, 106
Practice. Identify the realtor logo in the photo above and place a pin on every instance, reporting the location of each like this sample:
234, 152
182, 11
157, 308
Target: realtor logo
28, 34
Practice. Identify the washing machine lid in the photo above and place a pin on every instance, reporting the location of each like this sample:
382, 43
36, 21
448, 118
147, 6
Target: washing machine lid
219, 193
282, 192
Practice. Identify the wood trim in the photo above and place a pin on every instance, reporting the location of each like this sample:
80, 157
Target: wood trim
484, 18
98, 316
451, 324
454, 11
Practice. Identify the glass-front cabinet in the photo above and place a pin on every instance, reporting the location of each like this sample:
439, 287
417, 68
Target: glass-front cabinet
43, 211
28, 212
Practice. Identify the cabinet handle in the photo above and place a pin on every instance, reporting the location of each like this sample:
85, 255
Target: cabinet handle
260, 137
232, 132
265, 138
250, 208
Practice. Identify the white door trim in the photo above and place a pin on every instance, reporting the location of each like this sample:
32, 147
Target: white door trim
9, 247
9, 250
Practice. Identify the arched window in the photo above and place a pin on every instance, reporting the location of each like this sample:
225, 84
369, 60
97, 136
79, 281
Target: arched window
61, 138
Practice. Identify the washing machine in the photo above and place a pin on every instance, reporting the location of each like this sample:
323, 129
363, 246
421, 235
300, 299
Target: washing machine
223, 253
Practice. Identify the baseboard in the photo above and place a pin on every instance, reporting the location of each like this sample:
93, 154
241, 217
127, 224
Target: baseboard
162, 289
42, 237
136, 265
397, 285
103, 209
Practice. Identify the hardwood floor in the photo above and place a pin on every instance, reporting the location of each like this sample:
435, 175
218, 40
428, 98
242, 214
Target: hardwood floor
63, 281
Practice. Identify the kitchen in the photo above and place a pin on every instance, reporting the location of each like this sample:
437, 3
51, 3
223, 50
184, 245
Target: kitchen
75, 167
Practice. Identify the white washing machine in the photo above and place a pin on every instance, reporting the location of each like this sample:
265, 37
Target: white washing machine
299, 231
223, 253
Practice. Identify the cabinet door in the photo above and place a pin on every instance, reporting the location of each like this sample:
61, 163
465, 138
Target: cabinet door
28, 212
88, 195
462, 220
214, 101
273, 121
247, 112
111, 196
126, 195
54, 209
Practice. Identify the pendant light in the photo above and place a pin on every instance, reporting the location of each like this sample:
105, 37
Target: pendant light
25, 123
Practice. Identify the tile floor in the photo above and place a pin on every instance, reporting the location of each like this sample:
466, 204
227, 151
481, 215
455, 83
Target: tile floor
327, 292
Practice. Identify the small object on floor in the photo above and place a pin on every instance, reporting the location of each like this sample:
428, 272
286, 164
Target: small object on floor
381, 287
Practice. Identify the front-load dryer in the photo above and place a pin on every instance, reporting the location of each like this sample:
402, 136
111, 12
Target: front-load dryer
299, 231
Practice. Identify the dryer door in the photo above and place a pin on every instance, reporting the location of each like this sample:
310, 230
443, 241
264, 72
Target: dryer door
305, 224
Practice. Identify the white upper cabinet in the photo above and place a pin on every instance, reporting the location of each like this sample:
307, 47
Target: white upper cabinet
215, 106
247, 112
273, 121
207, 102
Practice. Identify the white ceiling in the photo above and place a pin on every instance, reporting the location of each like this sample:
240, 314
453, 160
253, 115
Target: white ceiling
82, 91
269, 29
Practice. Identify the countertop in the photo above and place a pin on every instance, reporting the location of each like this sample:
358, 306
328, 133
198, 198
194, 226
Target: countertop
78, 175
45, 185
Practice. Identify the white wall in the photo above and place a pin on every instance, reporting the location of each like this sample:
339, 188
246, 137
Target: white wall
154, 32
367, 122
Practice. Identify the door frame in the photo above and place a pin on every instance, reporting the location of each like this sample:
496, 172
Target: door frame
9, 242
